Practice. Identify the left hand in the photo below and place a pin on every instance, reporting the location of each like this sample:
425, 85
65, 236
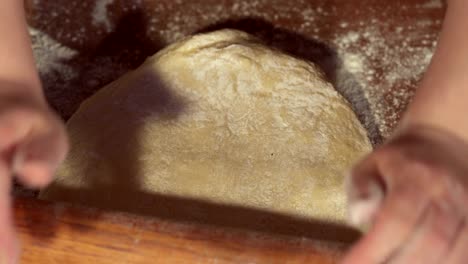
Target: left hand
421, 214
33, 142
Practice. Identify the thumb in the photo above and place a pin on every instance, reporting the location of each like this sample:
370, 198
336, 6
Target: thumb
9, 244
365, 191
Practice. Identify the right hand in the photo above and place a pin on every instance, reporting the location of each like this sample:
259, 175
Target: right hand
419, 213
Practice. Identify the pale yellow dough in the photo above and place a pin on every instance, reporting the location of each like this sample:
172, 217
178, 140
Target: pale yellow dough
216, 117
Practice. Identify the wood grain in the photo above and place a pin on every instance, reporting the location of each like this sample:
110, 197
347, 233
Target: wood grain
60, 233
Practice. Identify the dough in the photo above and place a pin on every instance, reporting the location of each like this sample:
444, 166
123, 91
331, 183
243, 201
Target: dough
217, 118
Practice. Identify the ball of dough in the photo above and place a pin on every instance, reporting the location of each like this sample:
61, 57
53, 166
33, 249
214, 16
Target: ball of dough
217, 118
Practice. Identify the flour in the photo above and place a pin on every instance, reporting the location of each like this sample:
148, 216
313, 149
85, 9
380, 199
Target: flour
191, 18
433, 4
100, 16
354, 63
51, 56
401, 64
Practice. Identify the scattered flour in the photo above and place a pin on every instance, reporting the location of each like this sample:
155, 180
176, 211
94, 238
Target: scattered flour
51, 56
354, 63
433, 4
100, 14
191, 18
386, 69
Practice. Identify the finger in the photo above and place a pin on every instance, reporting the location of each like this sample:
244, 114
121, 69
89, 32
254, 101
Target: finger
365, 190
459, 253
382, 172
400, 212
13, 128
431, 240
39, 156
9, 245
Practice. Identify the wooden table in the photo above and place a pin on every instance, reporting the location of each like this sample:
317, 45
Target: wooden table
64, 234
373, 51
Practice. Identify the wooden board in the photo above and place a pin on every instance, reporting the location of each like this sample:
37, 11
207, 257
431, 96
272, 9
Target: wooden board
373, 51
64, 234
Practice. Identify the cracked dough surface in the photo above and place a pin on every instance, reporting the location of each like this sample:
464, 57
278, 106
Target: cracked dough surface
216, 117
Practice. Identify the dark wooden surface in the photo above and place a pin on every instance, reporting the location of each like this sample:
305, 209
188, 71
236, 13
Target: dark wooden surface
392, 33
59, 233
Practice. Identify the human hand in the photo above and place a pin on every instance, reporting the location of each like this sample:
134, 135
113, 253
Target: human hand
32, 144
413, 191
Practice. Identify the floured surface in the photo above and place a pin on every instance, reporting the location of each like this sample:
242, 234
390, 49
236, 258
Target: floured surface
380, 48
217, 118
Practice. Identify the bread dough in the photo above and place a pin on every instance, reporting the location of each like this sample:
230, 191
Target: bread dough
218, 118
